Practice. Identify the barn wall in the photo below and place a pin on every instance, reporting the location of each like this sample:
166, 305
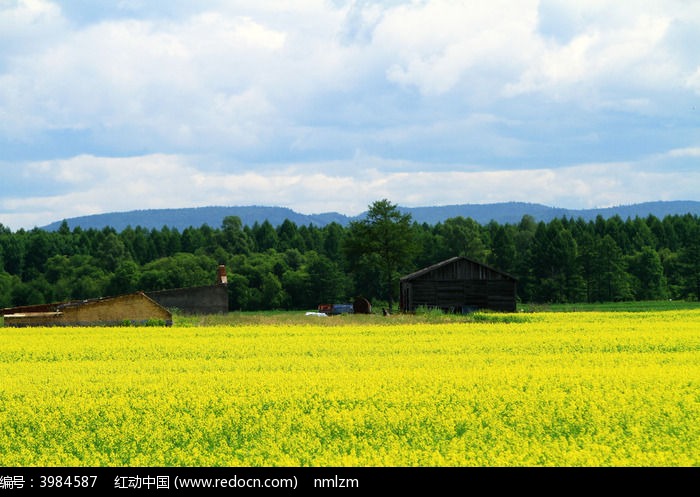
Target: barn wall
502, 295
459, 286
457, 296
196, 300
135, 308
33, 319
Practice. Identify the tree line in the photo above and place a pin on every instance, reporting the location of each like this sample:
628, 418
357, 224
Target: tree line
565, 260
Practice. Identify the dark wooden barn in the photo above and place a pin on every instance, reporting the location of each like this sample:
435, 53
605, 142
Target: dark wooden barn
458, 285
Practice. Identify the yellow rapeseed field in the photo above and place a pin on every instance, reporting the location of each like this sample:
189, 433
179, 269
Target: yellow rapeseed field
545, 389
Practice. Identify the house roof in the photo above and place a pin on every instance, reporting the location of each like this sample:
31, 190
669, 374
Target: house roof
59, 306
452, 260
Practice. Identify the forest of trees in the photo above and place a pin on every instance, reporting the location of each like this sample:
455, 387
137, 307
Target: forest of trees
297, 267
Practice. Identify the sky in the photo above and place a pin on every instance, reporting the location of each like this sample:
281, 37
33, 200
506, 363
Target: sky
329, 106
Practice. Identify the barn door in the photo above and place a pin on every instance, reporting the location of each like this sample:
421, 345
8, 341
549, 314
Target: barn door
406, 297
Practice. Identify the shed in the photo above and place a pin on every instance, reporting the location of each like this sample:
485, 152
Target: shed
458, 284
135, 308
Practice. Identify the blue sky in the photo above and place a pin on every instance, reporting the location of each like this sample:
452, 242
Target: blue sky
326, 106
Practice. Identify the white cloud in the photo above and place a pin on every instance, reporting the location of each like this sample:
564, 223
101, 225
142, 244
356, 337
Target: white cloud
693, 81
685, 152
247, 76
440, 44
30, 21
330, 105
159, 181
631, 55
153, 77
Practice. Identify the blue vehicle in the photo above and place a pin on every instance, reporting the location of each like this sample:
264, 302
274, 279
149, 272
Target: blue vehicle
335, 309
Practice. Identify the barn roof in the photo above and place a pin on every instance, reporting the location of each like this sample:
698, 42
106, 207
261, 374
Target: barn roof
452, 260
54, 307
135, 308
39, 308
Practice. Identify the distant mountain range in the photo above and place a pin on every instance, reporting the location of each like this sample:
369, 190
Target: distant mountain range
501, 213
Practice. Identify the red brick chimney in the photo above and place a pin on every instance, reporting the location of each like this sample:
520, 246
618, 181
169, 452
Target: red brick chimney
223, 280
